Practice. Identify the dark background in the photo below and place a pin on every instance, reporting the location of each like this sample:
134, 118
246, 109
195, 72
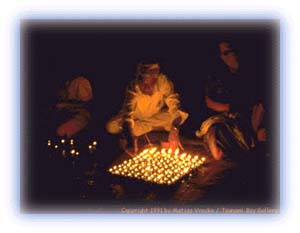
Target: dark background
107, 53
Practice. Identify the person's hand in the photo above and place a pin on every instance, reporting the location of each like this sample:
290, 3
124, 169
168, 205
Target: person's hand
174, 141
262, 135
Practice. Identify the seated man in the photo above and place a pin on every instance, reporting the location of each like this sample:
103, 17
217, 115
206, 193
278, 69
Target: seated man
73, 106
229, 99
150, 104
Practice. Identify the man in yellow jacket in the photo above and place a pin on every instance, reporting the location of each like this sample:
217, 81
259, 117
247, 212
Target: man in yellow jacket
150, 104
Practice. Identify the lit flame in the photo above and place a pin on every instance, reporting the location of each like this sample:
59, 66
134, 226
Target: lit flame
159, 166
152, 150
182, 156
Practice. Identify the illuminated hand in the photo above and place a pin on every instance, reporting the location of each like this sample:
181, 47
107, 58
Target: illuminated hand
174, 140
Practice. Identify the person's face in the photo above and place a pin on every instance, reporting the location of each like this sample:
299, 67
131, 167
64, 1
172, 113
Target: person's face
151, 74
229, 56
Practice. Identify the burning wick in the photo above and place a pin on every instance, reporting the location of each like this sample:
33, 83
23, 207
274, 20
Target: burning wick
95, 143
159, 166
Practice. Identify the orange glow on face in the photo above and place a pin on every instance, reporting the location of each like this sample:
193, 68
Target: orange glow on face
229, 56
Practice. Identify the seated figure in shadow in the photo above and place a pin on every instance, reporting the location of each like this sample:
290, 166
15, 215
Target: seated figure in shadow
234, 114
73, 106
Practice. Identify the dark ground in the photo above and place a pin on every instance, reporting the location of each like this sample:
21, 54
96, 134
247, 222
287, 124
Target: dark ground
83, 183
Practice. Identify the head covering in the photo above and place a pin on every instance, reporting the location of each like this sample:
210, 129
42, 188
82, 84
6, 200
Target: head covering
147, 66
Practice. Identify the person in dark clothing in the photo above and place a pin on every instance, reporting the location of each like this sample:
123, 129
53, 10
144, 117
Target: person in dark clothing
234, 115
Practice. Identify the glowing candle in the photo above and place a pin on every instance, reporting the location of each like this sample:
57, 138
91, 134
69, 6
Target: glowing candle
159, 176
182, 156
145, 151
153, 150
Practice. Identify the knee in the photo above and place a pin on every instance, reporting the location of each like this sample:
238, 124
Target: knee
69, 128
135, 132
60, 131
114, 127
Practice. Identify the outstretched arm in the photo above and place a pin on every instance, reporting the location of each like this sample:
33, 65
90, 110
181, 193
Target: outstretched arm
216, 106
173, 103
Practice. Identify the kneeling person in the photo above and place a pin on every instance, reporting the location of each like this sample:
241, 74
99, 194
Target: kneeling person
150, 104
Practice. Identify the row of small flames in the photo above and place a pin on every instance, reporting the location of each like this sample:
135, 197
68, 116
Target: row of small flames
163, 166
